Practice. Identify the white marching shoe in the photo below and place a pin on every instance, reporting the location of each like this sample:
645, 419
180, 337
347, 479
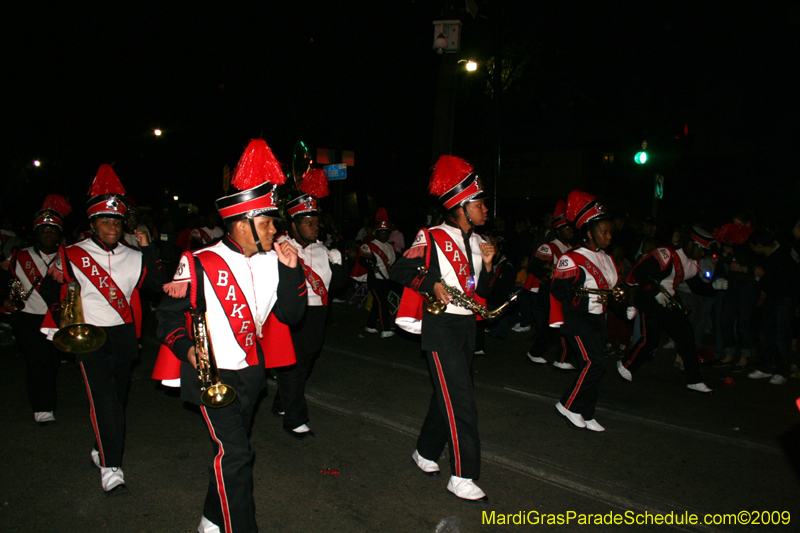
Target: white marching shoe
594, 425
44, 418
563, 366
207, 526
573, 418
467, 490
113, 481
537, 360
700, 387
428, 467
624, 372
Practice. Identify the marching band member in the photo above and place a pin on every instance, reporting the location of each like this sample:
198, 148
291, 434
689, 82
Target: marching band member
237, 284
658, 274
581, 317
110, 274
29, 266
452, 253
375, 259
542, 266
323, 270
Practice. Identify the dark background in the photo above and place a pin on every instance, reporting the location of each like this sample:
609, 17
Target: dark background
709, 86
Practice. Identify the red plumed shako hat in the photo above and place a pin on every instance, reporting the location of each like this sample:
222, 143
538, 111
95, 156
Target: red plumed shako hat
560, 215
382, 220
256, 176
106, 195
583, 207
703, 238
54, 209
454, 182
314, 185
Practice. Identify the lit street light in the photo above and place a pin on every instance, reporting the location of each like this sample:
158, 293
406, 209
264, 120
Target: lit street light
37, 163
472, 66
157, 132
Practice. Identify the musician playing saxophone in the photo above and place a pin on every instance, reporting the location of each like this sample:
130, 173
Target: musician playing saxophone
243, 284
658, 274
454, 253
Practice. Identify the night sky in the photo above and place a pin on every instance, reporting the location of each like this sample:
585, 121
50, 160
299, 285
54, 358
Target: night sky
86, 86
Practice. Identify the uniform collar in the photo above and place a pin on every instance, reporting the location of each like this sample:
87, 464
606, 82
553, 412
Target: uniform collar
103, 246
231, 244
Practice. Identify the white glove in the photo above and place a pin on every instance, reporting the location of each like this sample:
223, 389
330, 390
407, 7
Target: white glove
721, 284
662, 299
335, 256
630, 312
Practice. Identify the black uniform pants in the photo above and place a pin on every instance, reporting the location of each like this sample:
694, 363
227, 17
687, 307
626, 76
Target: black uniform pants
452, 414
586, 336
380, 316
307, 337
107, 375
229, 501
41, 359
655, 319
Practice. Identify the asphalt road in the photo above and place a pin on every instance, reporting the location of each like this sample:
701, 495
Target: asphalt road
666, 450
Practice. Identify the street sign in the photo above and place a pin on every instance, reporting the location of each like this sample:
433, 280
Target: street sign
658, 192
336, 172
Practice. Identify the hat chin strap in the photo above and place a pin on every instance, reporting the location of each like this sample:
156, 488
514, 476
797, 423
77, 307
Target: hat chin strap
469, 220
255, 236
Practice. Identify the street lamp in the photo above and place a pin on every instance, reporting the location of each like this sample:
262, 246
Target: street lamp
37, 163
472, 66
157, 132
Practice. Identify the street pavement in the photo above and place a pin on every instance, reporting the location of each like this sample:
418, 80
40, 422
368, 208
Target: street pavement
666, 450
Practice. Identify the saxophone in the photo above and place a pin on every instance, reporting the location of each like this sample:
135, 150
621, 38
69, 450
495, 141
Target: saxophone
18, 295
460, 299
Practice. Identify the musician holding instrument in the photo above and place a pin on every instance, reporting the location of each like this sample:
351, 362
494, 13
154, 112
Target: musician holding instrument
235, 292
107, 274
456, 266
657, 275
28, 268
542, 267
584, 285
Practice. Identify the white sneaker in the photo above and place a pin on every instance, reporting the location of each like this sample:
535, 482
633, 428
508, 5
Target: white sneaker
700, 387
758, 374
96, 458
479, 352
466, 489
302, 429
537, 360
207, 526
387, 334
370, 330
429, 468
521, 329
624, 372
44, 417
574, 418
670, 345
563, 366
777, 379
594, 426
112, 478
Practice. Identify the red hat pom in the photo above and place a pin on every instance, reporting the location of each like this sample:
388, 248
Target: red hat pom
381, 215
106, 182
448, 172
315, 183
57, 203
733, 233
561, 209
257, 166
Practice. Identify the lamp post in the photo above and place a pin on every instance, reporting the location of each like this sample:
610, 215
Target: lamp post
446, 43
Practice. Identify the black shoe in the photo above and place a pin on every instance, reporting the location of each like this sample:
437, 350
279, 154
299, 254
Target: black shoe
306, 435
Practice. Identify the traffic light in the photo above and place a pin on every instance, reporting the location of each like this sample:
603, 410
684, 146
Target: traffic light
640, 158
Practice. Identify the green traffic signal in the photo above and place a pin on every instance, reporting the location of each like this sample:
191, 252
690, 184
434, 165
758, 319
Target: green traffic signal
640, 158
